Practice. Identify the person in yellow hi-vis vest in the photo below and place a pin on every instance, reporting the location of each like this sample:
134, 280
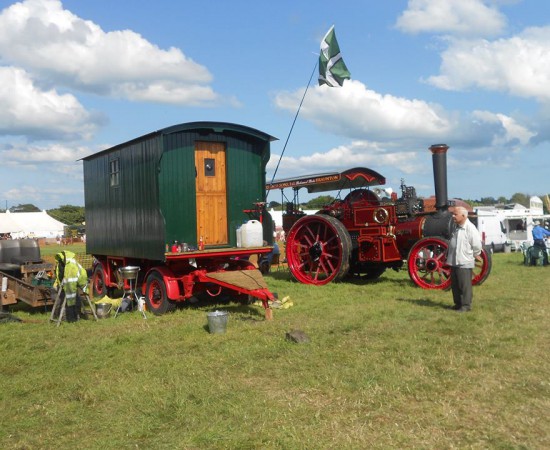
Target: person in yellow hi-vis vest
71, 276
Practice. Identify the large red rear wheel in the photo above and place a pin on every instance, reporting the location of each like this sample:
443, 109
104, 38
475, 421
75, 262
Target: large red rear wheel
318, 249
427, 264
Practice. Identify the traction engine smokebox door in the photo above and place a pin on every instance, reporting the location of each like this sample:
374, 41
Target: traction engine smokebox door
211, 192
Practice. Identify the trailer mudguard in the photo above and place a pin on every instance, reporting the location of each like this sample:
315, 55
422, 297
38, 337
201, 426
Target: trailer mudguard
170, 281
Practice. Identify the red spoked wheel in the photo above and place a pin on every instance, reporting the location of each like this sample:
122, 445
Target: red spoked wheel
427, 264
482, 268
318, 249
428, 267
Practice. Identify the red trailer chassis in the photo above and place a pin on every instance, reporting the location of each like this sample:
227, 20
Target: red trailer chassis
185, 275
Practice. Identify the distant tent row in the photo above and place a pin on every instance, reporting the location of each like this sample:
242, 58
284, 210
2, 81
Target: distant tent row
30, 225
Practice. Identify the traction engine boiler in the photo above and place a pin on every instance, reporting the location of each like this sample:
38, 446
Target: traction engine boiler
366, 233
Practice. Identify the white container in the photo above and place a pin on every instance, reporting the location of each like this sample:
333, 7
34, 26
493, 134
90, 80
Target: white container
252, 234
239, 238
141, 304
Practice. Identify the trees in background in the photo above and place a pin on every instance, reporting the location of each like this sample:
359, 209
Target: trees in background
69, 214
518, 197
27, 207
522, 199
318, 202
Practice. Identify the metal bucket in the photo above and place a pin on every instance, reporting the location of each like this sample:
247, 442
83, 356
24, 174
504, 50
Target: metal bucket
103, 310
217, 321
128, 272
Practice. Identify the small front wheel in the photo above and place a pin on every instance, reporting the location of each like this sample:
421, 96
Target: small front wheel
427, 264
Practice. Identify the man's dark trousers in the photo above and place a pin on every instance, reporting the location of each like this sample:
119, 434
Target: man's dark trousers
461, 284
542, 245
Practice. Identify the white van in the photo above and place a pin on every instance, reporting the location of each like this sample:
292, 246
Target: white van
492, 230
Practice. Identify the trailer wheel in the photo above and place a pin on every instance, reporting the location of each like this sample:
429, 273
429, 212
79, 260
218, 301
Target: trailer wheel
427, 264
318, 250
99, 286
155, 295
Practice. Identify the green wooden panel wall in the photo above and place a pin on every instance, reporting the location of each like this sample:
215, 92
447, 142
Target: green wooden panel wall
125, 220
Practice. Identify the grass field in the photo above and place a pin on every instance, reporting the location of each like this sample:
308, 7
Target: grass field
388, 365
48, 253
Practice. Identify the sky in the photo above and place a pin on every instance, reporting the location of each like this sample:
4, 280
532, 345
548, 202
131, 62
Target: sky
77, 77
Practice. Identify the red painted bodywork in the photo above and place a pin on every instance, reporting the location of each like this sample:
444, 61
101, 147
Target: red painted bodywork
185, 274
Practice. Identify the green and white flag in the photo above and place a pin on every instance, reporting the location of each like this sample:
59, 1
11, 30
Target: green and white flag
332, 69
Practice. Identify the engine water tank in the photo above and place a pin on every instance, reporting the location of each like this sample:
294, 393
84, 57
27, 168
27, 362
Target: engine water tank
251, 234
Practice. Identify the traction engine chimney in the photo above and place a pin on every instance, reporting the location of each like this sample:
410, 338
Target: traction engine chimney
439, 161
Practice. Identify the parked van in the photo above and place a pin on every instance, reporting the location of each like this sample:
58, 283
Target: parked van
492, 230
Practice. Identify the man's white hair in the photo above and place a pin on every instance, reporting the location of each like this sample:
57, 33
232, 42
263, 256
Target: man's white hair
461, 210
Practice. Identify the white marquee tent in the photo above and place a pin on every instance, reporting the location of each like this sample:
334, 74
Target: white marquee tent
7, 224
30, 225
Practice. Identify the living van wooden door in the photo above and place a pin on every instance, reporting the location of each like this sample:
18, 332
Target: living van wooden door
211, 192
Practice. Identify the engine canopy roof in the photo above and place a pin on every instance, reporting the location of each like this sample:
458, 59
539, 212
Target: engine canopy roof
358, 177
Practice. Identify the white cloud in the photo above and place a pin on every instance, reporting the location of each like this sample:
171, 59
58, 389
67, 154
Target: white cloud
384, 132
24, 194
27, 110
44, 174
356, 112
166, 92
360, 113
39, 194
355, 154
510, 130
61, 48
519, 65
53, 154
459, 17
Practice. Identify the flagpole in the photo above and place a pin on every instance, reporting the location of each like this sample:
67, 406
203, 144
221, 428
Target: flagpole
292, 127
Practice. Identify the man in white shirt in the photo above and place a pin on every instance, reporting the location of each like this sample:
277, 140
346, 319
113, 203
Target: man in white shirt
464, 248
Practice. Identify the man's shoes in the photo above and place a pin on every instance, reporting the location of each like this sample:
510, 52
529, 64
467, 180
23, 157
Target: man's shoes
455, 307
464, 309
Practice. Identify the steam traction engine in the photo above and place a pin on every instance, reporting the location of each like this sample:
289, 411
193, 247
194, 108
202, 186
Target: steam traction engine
366, 232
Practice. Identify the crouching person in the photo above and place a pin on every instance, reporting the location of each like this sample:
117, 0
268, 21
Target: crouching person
71, 276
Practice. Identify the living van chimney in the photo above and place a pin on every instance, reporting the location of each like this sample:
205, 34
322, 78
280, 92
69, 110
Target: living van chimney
439, 161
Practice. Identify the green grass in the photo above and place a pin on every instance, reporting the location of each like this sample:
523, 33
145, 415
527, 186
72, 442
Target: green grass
388, 366
52, 249
48, 253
